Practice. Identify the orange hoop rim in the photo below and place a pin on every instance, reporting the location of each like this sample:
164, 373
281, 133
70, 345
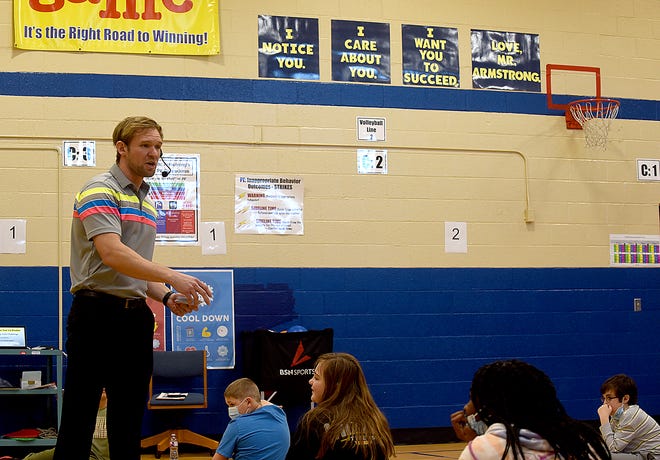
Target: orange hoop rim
594, 115
591, 110
595, 104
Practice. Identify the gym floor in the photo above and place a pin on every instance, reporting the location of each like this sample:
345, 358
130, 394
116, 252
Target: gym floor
403, 452
422, 451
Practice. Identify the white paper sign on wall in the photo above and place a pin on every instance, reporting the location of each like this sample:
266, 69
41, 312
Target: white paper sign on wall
370, 129
455, 237
370, 161
648, 170
212, 237
12, 236
79, 153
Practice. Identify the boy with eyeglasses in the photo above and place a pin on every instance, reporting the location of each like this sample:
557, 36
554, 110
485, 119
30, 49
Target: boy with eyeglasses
629, 432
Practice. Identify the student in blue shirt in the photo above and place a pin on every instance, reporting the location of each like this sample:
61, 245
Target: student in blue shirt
258, 429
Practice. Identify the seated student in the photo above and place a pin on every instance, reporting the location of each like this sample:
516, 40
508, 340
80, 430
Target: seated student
466, 423
257, 430
346, 424
629, 432
525, 419
100, 449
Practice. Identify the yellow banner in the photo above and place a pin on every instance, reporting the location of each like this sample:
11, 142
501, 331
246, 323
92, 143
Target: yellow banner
188, 27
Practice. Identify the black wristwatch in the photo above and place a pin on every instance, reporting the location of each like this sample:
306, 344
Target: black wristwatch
166, 297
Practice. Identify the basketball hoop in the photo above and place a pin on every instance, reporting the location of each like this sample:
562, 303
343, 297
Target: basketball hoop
594, 116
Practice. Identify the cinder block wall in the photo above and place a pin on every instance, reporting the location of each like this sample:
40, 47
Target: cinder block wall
371, 263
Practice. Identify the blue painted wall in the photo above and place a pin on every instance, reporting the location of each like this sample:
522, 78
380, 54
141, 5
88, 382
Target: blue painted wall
421, 333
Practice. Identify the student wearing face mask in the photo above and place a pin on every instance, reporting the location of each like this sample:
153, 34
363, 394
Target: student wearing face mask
467, 424
629, 432
257, 430
526, 420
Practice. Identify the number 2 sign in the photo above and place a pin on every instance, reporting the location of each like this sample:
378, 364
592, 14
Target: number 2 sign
370, 161
455, 237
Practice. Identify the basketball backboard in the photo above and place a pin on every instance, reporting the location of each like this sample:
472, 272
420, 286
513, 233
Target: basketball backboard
570, 79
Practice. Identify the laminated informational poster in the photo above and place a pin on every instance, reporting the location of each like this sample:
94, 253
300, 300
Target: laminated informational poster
211, 327
506, 60
430, 56
360, 51
288, 47
269, 204
175, 194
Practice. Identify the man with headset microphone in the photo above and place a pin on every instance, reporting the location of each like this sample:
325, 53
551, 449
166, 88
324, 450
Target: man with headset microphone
110, 326
169, 170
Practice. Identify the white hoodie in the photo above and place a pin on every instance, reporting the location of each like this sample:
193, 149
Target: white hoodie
490, 445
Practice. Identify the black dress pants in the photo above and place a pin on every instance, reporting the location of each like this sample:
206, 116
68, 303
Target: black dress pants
109, 345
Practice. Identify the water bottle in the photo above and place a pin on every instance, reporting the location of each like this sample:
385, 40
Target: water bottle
174, 447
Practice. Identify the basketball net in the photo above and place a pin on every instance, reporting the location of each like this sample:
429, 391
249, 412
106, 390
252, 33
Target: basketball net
595, 116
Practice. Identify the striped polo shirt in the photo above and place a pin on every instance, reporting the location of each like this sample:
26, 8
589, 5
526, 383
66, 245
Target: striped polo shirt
110, 203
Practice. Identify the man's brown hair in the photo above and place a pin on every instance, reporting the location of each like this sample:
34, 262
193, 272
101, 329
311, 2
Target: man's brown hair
129, 127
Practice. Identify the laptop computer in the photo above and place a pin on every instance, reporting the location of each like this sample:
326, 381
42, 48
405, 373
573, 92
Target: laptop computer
13, 337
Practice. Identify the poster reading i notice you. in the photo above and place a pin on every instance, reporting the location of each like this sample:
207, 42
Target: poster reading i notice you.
288, 47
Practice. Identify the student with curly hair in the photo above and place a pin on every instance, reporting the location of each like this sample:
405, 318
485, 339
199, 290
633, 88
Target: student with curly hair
466, 423
525, 419
629, 432
346, 424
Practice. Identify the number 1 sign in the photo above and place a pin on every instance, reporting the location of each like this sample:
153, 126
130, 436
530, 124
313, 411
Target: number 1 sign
212, 236
12, 236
